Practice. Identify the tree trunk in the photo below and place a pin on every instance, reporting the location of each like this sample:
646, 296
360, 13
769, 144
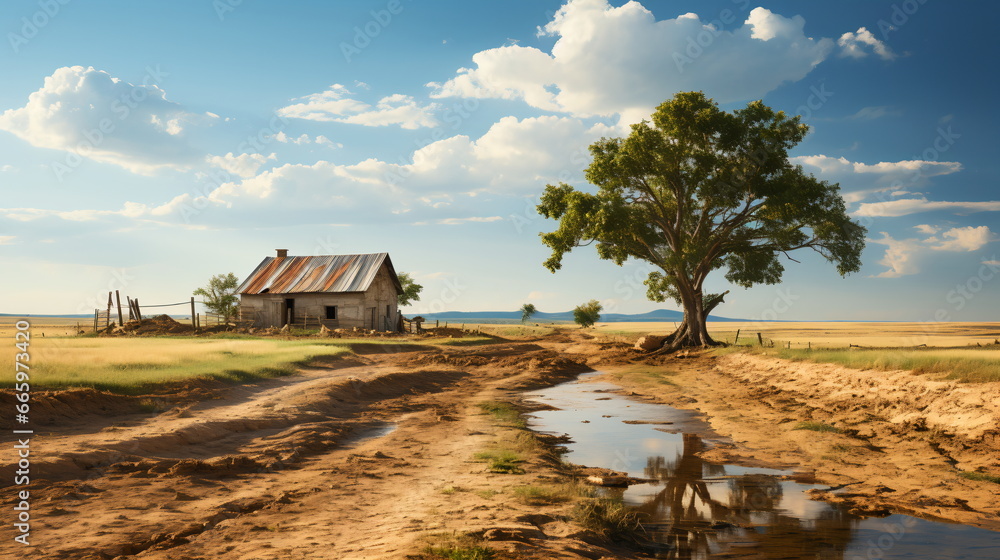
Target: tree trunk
693, 331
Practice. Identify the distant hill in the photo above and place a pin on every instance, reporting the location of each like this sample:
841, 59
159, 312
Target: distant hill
663, 315
77, 316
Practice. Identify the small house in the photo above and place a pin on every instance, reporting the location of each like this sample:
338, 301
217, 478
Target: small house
338, 291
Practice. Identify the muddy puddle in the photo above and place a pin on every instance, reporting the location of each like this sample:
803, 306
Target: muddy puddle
368, 433
704, 510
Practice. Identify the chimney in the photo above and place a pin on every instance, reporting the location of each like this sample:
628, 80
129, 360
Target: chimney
282, 253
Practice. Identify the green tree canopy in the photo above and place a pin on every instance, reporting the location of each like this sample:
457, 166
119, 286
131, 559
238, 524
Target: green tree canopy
219, 296
588, 313
527, 310
411, 290
701, 189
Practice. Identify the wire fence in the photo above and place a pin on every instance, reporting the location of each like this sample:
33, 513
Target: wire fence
119, 312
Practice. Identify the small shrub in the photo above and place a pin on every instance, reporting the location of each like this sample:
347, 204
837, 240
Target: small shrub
462, 553
536, 495
458, 547
504, 412
609, 518
501, 461
980, 476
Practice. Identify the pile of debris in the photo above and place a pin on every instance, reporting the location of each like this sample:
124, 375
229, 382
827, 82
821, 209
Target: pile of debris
150, 326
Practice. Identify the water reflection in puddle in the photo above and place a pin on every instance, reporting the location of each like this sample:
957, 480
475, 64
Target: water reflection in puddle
368, 432
706, 510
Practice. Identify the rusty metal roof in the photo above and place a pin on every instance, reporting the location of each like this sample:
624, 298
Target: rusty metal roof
327, 273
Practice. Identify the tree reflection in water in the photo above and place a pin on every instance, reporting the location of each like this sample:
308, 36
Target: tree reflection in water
744, 520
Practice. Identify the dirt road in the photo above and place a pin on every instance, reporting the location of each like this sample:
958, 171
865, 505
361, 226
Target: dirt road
372, 456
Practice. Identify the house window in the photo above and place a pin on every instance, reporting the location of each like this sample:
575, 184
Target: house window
331, 312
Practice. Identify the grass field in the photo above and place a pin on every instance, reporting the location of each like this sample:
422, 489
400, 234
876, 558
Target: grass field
962, 364
60, 358
130, 364
831, 334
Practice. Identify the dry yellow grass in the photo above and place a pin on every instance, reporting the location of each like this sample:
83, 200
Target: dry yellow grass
47, 326
833, 334
125, 364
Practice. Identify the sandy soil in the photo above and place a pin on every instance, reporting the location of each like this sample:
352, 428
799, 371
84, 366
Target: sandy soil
305, 467
301, 467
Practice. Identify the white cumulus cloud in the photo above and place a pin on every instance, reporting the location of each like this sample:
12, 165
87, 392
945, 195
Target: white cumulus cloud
444, 182
962, 239
902, 256
334, 105
907, 206
859, 180
857, 45
243, 165
620, 60
94, 115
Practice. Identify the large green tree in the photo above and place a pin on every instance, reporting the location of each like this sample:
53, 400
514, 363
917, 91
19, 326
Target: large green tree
220, 295
701, 189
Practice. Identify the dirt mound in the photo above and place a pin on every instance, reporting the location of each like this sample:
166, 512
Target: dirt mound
918, 402
449, 332
62, 407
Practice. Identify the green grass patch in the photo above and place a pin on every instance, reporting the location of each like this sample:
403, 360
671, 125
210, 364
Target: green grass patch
969, 365
135, 364
817, 427
504, 413
980, 476
541, 495
462, 553
501, 461
457, 547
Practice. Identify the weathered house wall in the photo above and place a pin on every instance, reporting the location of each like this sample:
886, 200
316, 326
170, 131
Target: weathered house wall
374, 309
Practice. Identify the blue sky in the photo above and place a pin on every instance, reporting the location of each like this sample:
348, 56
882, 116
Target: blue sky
146, 146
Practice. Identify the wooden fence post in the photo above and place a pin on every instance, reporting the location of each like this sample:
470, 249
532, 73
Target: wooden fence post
118, 297
194, 318
760, 339
107, 321
96, 314
737, 339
